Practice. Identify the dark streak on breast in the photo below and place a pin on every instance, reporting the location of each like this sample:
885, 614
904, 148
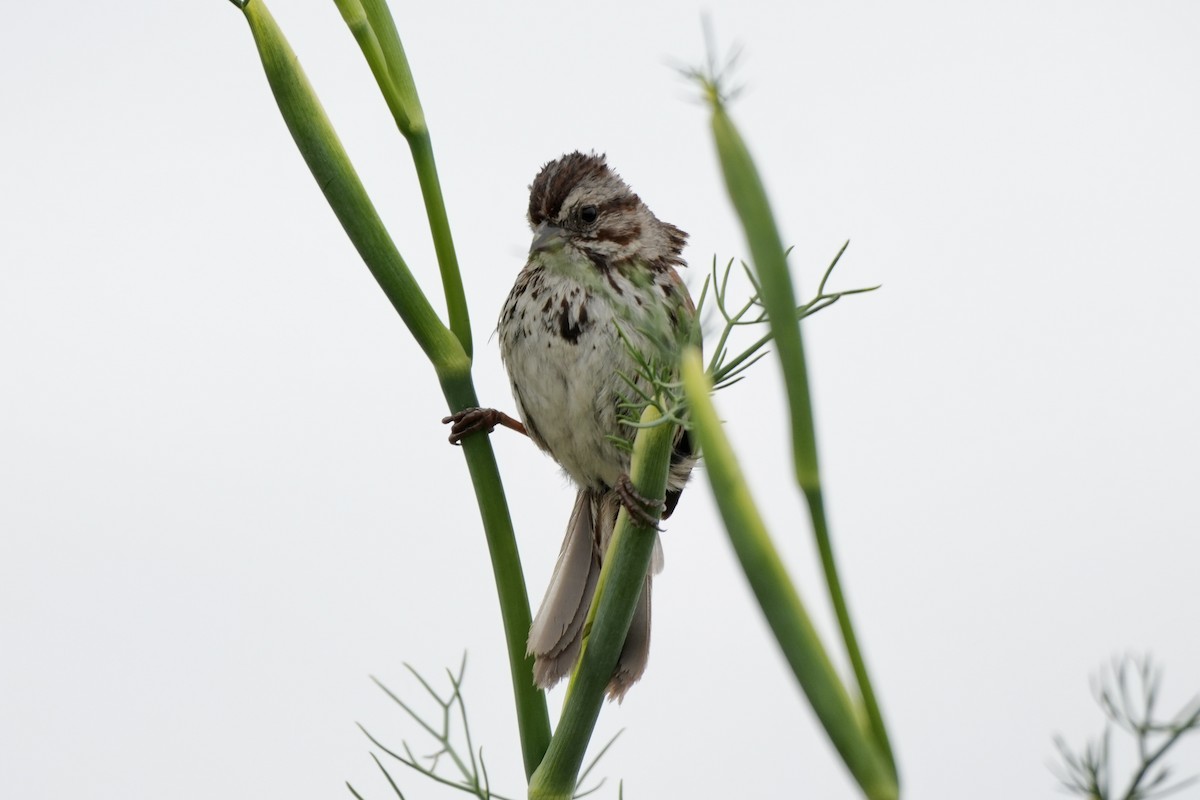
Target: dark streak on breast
568, 330
533, 431
599, 260
612, 281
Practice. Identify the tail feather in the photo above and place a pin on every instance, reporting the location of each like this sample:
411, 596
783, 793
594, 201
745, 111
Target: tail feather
556, 636
636, 651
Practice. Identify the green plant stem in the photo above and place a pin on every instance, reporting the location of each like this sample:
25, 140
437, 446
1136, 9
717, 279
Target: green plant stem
816, 508
326, 158
778, 297
443, 243
617, 593
777, 596
330, 165
533, 718
1149, 759
360, 24
371, 23
749, 199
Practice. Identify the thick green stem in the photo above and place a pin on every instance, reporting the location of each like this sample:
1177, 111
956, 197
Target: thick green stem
777, 596
322, 151
749, 199
816, 508
533, 718
375, 31
778, 297
443, 244
318, 143
617, 593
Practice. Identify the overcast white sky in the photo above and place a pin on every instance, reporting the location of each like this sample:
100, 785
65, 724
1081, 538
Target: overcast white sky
225, 498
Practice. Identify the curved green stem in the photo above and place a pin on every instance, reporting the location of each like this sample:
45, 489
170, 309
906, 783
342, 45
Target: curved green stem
326, 158
750, 201
533, 718
617, 593
777, 596
318, 143
778, 297
373, 28
443, 243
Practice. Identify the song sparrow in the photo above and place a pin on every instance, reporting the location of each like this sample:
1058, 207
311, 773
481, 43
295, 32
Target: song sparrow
599, 259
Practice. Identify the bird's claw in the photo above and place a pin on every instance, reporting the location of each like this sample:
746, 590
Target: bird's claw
471, 420
643, 510
476, 420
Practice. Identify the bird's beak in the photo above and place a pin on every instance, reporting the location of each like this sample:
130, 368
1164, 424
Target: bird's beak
547, 238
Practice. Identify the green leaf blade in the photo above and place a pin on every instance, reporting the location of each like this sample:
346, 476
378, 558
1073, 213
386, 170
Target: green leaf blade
777, 596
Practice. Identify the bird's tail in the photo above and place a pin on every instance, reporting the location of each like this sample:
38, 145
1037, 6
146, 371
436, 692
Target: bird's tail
557, 631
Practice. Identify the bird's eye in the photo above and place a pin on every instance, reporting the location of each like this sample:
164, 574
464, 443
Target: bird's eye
589, 214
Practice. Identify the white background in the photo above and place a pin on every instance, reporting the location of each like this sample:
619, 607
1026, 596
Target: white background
225, 497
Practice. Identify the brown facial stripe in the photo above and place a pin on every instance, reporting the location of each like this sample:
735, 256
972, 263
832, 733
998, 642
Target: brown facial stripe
625, 202
556, 180
621, 236
598, 259
610, 271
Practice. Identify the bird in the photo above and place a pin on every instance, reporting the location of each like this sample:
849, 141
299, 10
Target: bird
601, 267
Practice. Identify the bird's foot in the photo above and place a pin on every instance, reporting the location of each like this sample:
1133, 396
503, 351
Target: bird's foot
476, 420
642, 510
